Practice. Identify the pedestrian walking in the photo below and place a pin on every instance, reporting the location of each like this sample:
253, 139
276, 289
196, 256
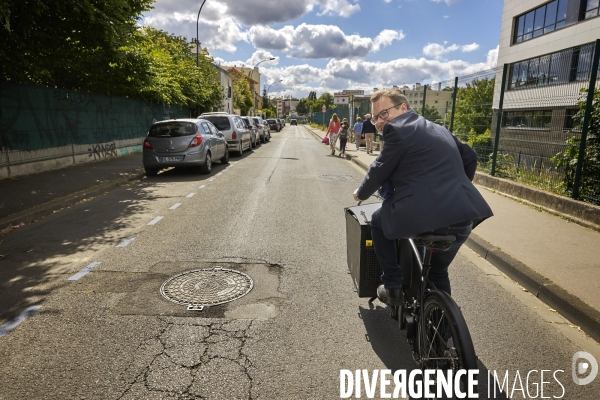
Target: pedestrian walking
332, 132
343, 136
358, 132
369, 131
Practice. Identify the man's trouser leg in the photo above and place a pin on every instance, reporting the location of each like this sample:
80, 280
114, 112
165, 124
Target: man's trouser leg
369, 139
440, 261
387, 254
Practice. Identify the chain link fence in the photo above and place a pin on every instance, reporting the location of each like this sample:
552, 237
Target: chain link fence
39, 124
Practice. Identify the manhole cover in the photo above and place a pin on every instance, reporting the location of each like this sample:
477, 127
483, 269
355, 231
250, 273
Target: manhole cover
206, 287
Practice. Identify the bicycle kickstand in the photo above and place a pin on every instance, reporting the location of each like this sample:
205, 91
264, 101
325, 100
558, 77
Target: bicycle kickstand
371, 300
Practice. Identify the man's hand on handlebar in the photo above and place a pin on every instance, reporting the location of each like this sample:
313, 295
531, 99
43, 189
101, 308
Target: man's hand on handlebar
355, 196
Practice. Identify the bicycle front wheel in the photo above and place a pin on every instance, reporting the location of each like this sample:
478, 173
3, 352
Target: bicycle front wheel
446, 343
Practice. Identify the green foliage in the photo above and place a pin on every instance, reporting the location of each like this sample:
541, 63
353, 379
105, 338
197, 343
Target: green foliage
327, 99
242, 96
97, 46
566, 160
303, 106
431, 113
474, 107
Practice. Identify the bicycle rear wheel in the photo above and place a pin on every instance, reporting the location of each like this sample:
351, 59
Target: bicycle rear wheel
447, 344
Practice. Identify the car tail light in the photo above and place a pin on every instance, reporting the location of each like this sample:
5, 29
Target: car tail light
147, 145
234, 135
196, 141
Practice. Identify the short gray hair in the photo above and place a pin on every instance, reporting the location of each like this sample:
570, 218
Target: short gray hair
394, 94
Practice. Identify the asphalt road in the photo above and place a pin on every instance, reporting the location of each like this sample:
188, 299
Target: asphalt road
275, 214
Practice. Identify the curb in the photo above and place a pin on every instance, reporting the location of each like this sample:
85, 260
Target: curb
566, 304
43, 210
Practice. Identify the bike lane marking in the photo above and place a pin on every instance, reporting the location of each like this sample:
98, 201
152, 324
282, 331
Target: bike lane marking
126, 241
155, 220
202, 187
174, 206
89, 268
191, 195
12, 324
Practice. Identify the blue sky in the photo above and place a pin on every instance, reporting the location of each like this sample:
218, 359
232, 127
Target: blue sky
331, 45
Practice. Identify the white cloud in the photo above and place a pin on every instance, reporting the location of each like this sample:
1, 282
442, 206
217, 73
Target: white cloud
469, 47
360, 74
446, 16
337, 7
319, 41
437, 50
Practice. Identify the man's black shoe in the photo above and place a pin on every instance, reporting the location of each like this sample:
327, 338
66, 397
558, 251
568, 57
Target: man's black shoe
392, 297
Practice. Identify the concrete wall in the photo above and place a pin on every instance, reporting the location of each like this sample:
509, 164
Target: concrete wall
24, 162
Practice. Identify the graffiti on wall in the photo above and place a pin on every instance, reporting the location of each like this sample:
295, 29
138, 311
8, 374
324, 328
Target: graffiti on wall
103, 150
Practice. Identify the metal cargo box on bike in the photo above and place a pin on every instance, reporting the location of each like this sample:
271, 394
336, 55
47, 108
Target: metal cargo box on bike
362, 261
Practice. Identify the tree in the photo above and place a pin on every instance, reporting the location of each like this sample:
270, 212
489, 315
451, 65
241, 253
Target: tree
431, 113
303, 107
474, 107
327, 99
242, 97
589, 188
312, 96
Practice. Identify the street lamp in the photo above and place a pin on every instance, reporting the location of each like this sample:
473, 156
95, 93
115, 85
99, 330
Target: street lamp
252, 72
197, 42
281, 80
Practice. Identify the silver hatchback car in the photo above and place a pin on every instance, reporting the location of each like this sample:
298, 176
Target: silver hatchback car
183, 143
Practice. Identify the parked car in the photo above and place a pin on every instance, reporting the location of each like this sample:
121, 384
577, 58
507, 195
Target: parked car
253, 128
293, 122
183, 143
273, 124
237, 135
280, 122
260, 128
267, 129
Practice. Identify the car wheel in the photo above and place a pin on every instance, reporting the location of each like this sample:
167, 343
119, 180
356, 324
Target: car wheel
225, 159
151, 171
207, 166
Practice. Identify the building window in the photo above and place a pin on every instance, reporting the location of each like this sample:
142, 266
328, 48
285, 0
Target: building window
539, 119
591, 9
571, 121
542, 20
568, 65
435, 102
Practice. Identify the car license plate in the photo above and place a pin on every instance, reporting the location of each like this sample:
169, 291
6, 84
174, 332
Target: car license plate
169, 159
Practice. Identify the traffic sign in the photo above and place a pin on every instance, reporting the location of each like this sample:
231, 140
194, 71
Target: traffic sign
323, 109
341, 100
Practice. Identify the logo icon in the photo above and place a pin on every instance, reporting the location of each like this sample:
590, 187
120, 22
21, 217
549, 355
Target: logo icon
581, 368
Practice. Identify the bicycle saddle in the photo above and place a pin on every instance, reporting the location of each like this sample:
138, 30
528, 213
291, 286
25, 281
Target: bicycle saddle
436, 242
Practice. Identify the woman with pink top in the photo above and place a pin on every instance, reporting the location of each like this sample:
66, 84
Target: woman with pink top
332, 131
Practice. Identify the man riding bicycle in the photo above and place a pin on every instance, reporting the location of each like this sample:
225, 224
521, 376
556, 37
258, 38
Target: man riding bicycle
424, 175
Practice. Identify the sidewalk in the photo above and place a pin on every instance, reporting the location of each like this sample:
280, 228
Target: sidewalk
552, 258
30, 197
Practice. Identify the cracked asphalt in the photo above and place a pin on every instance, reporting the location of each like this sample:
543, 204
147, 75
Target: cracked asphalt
275, 214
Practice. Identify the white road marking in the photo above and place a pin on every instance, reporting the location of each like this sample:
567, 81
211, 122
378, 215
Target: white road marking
202, 187
220, 173
174, 206
155, 220
12, 324
211, 179
84, 271
190, 195
126, 241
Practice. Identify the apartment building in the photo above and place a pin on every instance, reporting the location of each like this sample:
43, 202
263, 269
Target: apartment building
434, 97
226, 80
548, 46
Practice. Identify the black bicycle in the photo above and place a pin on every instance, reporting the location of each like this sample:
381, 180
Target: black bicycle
433, 323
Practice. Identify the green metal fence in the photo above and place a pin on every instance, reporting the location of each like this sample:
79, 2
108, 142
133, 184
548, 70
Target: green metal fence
34, 118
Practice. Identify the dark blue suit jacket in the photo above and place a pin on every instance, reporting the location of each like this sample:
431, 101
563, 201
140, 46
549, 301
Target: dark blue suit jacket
430, 171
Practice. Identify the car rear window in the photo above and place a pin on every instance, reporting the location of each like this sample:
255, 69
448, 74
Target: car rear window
271, 121
221, 123
172, 129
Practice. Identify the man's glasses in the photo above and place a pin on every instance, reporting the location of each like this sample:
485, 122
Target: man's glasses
384, 114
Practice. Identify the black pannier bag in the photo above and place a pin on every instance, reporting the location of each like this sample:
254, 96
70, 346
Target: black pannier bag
363, 265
